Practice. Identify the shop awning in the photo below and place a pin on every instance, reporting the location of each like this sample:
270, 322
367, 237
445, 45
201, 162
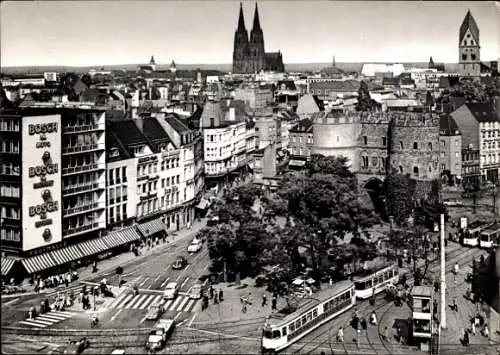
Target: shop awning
38, 263
92, 247
113, 239
151, 227
66, 255
203, 204
130, 234
7, 264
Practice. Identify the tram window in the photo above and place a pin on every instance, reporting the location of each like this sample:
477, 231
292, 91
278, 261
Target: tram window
283, 331
315, 313
309, 316
378, 279
268, 334
292, 327
304, 320
276, 334
297, 324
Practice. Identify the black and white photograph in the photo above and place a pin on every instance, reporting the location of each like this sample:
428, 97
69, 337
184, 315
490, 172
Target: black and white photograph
250, 177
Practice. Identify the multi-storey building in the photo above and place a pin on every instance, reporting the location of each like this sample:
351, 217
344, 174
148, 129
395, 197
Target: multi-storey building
54, 158
468, 47
254, 97
450, 150
301, 141
480, 127
226, 144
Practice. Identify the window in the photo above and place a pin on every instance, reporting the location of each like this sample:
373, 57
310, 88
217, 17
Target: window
401, 145
117, 175
112, 215
473, 56
415, 171
374, 161
400, 169
365, 140
464, 56
443, 144
110, 177
124, 174
429, 146
384, 141
124, 193
443, 166
415, 145
178, 179
124, 211
457, 154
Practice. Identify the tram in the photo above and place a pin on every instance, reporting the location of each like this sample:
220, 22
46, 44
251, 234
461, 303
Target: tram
471, 237
490, 236
287, 326
377, 281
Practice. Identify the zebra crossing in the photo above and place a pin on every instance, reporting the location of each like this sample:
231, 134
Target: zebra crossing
130, 301
47, 319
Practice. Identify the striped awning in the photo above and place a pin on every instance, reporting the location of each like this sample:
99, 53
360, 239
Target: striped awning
7, 264
66, 255
113, 239
151, 227
129, 234
92, 247
38, 263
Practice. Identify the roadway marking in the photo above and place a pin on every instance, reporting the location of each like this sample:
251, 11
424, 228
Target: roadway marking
186, 280
192, 319
157, 278
14, 300
146, 302
188, 307
177, 316
136, 301
178, 277
188, 267
143, 319
167, 304
206, 267
182, 304
165, 282
118, 300
176, 302
117, 305
143, 282
116, 314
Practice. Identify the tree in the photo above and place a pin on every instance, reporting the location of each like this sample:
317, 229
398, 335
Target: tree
398, 191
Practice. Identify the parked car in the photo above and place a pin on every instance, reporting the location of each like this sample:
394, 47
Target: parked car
195, 246
171, 291
453, 203
179, 263
77, 347
155, 311
158, 337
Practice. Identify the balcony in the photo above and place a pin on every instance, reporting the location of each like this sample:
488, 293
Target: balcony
82, 148
82, 229
83, 168
78, 188
76, 210
83, 128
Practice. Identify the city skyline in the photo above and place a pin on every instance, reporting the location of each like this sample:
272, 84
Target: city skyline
202, 32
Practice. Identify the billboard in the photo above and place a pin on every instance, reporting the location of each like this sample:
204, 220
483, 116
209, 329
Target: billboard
41, 181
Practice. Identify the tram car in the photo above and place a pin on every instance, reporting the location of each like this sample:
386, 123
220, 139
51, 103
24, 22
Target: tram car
490, 236
375, 281
288, 326
472, 234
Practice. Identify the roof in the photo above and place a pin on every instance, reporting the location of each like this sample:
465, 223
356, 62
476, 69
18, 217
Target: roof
425, 291
483, 112
304, 125
127, 132
469, 23
448, 126
390, 81
113, 142
178, 125
289, 84
341, 86
152, 129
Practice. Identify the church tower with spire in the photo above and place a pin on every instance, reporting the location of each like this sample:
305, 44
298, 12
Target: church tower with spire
468, 48
249, 55
240, 52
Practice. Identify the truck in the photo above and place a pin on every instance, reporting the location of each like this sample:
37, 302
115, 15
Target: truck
158, 337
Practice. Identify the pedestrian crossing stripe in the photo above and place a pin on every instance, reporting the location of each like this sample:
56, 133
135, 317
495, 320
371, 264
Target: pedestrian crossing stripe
144, 301
44, 320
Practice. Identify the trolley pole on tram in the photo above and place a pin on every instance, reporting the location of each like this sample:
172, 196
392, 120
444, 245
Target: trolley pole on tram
443, 276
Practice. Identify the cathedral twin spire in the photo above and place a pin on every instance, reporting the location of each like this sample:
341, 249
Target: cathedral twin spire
256, 21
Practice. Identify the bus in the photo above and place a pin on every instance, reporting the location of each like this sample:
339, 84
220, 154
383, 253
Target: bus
471, 236
490, 236
374, 282
292, 323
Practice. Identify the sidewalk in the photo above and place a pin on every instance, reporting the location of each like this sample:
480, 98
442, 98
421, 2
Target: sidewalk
109, 265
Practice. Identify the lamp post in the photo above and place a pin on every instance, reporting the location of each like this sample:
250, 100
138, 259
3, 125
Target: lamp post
93, 294
495, 191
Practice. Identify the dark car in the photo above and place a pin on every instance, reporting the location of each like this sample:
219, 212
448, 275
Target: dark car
179, 263
77, 347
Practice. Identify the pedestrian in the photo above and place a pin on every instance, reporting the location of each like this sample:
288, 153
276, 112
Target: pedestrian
455, 305
372, 300
221, 295
385, 335
264, 300
66, 281
249, 299
399, 334
486, 331
473, 328
211, 291
373, 318
273, 303
216, 296
466, 338
244, 307
435, 306
340, 335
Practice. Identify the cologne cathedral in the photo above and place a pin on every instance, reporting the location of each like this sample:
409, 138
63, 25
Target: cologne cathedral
249, 56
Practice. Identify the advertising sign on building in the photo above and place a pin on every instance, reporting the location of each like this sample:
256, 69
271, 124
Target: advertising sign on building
41, 188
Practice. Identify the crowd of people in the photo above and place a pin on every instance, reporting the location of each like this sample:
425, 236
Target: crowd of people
54, 280
215, 294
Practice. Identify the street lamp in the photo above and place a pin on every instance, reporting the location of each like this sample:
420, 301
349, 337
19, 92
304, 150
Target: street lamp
495, 190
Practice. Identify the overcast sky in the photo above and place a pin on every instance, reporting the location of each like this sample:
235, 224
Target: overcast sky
127, 32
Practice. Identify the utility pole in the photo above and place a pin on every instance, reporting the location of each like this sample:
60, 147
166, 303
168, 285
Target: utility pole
443, 276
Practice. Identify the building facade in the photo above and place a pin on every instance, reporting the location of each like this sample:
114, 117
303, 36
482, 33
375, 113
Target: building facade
450, 150
249, 56
301, 142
